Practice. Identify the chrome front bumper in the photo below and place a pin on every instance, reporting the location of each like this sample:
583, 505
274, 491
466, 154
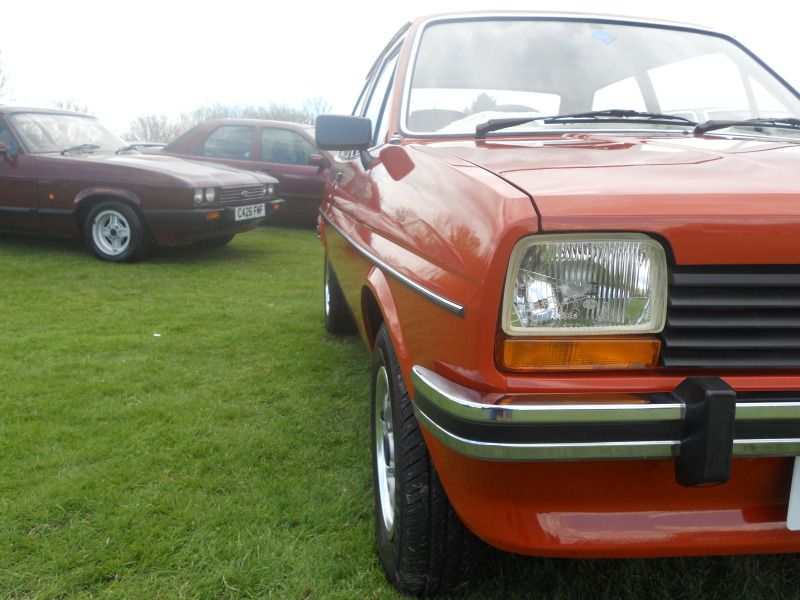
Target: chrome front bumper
702, 422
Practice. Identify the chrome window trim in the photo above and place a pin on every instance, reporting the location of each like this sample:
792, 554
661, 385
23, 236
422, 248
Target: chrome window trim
440, 301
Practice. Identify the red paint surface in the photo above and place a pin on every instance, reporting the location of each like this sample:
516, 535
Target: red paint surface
448, 216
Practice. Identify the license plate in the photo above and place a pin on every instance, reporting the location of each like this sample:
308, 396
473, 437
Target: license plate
252, 211
793, 517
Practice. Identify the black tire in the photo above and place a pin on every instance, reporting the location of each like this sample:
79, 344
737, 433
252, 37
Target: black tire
115, 232
338, 318
215, 242
422, 545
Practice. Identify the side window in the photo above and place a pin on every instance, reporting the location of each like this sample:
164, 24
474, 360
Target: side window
284, 146
376, 106
8, 139
230, 141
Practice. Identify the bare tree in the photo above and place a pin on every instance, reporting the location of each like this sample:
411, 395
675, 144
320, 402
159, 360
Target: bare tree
3, 79
158, 128
154, 128
314, 107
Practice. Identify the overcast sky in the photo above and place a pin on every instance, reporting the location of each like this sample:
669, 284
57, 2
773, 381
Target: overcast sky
125, 59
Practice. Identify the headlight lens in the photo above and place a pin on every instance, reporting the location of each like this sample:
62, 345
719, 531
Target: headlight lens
270, 189
211, 194
585, 285
198, 196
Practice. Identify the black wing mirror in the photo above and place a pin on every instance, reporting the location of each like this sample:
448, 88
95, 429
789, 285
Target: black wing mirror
339, 132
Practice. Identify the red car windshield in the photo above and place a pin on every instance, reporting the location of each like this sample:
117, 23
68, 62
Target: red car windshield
466, 72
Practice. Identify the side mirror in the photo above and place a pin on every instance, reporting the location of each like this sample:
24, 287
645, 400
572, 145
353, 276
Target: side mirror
339, 132
317, 160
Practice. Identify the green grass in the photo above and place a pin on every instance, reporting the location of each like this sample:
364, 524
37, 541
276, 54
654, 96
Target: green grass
184, 428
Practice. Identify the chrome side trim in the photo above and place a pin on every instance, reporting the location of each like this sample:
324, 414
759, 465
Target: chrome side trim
466, 421
440, 301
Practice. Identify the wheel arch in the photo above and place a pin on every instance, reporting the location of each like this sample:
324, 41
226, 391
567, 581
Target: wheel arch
89, 198
378, 308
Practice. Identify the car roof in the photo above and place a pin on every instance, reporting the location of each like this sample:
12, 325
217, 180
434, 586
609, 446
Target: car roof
10, 110
558, 15
232, 121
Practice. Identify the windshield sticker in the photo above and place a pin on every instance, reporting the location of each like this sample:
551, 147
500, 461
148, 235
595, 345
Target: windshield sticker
603, 36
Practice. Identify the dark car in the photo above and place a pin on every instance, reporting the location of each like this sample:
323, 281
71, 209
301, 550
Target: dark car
63, 174
287, 151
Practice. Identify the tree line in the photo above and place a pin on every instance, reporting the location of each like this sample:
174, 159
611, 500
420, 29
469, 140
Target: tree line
160, 128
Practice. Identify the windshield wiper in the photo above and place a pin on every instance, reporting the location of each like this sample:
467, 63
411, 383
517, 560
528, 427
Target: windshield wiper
706, 126
137, 145
611, 115
83, 147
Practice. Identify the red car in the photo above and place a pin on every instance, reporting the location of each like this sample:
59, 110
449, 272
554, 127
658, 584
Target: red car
583, 304
64, 174
286, 151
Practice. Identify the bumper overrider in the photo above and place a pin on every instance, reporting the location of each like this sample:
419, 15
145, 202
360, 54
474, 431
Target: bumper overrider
703, 423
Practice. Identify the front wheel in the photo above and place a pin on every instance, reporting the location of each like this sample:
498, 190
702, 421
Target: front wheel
422, 545
115, 232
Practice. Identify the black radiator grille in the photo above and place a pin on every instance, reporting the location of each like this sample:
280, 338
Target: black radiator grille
733, 317
242, 193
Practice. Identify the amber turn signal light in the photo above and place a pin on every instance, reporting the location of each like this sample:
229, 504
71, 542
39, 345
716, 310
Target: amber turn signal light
213, 216
576, 354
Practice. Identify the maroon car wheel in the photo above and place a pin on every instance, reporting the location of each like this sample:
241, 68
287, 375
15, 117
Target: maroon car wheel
115, 232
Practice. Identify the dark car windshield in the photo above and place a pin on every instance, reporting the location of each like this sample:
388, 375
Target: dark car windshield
52, 132
467, 72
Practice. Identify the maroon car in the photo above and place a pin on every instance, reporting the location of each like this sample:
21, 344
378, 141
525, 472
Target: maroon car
62, 173
287, 151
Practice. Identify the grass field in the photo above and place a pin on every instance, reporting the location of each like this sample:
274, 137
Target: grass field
184, 428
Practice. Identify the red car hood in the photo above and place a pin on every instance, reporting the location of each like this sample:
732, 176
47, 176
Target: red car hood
715, 201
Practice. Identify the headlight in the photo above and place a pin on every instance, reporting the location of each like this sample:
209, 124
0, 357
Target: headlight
560, 285
198, 196
270, 189
211, 193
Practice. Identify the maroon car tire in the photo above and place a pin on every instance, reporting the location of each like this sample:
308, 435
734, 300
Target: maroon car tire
422, 545
116, 232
